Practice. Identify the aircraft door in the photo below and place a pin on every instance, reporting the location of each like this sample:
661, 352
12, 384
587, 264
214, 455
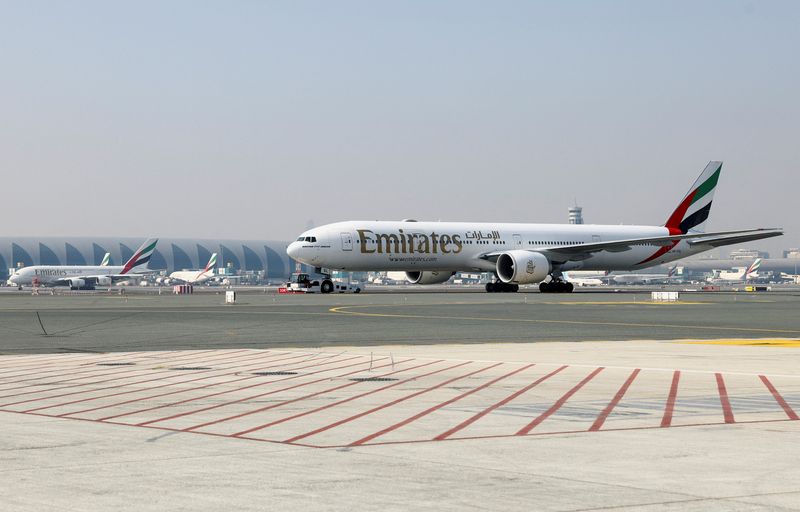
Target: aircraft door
347, 242
517, 241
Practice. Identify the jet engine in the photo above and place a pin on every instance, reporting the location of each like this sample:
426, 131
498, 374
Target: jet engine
522, 267
428, 276
77, 284
104, 281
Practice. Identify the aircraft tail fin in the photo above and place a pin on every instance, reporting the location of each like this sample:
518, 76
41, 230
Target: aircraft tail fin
694, 208
106, 260
141, 257
211, 263
752, 268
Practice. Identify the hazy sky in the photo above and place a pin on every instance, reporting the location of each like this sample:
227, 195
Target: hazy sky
247, 119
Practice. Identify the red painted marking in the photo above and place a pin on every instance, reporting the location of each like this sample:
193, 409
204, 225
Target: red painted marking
436, 407
94, 371
186, 390
669, 408
234, 390
304, 397
389, 404
491, 408
727, 413
560, 402
339, 402
598, 423
251, 397
128, 384
778, 398
147, 371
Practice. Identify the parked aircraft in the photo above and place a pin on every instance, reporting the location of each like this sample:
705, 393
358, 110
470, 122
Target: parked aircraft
84, 277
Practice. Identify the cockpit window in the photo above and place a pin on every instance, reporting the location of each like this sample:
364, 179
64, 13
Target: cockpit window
301, 239
313, 239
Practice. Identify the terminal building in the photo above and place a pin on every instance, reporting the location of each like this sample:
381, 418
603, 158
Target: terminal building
262, 260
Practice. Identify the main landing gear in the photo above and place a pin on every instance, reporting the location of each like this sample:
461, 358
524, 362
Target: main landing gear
501, 287
555, 287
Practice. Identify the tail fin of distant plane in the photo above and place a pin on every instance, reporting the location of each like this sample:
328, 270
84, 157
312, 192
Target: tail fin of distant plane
671, 271
211, 263
141, 257
106, 260
752, 268
691, 214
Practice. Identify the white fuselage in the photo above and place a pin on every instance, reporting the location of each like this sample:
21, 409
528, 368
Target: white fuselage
192, 276
459, 246
47, 275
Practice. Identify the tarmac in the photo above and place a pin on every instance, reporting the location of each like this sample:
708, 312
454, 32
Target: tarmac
588, 401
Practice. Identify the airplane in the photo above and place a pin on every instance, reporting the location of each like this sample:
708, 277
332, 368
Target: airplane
519, 254
84, 277
645, 278
195, 276
585, 278
106, 260
737, 276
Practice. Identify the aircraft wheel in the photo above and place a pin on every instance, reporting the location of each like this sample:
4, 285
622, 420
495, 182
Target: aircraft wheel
326, 287
515, 288
569, 288
490, 287
544, 287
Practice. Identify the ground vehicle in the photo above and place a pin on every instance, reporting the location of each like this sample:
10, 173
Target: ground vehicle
319, 283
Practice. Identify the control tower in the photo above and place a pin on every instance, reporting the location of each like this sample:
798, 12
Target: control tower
575, 215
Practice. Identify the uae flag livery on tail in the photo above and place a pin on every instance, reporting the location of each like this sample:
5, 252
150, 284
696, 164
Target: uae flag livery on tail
692, 212
141, 257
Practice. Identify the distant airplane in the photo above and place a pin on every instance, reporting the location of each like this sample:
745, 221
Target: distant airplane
645, 278
85, 277
106, 260
431, 252
195, 276
583, 278
738, 276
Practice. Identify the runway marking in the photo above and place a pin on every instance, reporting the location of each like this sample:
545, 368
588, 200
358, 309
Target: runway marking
389, 404
578, 405
778, 398
598, 423
669, 407
774, 342
230, 381
630, 303
344, 310
181, 402
94, 372
438, 406
331, 405
91, 366
469, 421
556, 406
204, 372
723, 399
217, 406
305, 397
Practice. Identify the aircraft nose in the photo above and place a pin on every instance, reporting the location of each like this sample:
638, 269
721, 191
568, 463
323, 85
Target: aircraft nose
293, 250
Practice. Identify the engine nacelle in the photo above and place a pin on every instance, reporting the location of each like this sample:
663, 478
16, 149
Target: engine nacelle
429, 276
522, 267
77, 284
104, 281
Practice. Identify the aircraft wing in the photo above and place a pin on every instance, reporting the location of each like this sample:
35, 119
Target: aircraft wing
579, 252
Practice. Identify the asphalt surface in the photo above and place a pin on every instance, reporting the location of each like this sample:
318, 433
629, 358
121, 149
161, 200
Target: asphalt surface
111, 322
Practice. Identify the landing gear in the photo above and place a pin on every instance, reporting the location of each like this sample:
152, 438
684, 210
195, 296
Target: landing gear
556, 287
501, 287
